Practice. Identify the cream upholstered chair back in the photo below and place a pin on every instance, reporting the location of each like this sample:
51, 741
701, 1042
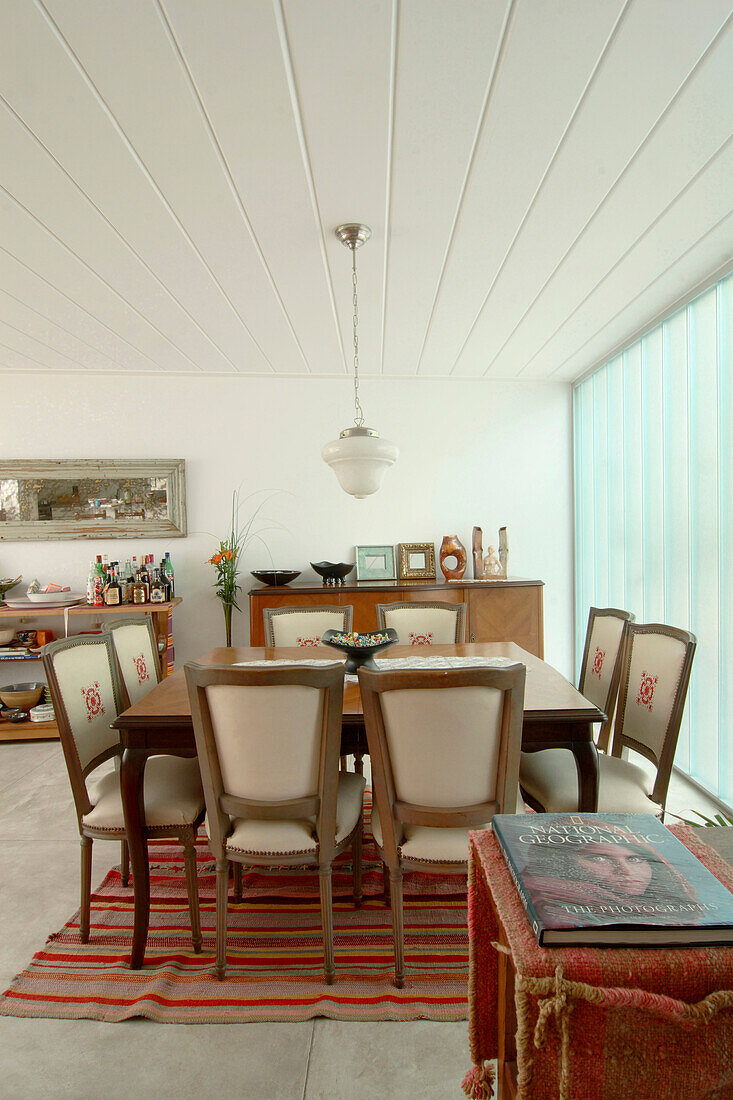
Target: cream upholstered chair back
429, 623
601, 665
654, 681
304, 626
442, 741
266, 738
83, 680
136, 647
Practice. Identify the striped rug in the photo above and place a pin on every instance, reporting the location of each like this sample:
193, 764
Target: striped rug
274, 948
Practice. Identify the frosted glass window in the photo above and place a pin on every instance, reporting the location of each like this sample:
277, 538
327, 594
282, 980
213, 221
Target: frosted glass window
653, 459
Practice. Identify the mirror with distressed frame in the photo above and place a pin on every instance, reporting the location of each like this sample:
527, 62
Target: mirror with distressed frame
92, 499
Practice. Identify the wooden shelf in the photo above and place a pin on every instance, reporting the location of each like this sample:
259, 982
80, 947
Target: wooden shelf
41, 731
28, 731
41, 612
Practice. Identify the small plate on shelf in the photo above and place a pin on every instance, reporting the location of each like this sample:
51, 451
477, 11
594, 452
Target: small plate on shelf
50, 600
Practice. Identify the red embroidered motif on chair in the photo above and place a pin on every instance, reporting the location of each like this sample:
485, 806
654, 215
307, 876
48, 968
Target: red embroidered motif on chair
598, 662
421, 639
93, 699
141, 668
646, 690
309, 641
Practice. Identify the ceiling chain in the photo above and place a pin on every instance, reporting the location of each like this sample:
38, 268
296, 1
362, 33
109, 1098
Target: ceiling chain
358, 411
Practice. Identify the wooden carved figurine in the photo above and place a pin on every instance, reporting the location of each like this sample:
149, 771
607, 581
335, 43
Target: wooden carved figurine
493, 565
452, 547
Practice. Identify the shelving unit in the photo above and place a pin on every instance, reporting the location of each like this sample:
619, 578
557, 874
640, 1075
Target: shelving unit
163, 618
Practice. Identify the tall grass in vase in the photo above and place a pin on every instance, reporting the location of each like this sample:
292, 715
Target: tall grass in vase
226, 560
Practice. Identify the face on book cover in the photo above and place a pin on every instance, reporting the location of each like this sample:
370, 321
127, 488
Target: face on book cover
615, 868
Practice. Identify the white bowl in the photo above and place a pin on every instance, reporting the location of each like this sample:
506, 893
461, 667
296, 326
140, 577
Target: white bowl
55, 598
6, 634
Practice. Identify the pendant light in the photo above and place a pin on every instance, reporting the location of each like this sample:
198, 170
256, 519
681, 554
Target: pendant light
359, 457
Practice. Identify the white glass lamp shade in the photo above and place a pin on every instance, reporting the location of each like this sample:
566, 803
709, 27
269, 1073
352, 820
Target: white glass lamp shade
360, 458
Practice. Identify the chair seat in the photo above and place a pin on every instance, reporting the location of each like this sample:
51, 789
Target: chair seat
173, 795
551, 778
252, 837
421, 842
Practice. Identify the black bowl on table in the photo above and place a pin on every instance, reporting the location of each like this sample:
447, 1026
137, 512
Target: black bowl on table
333, 572
276, 577
360, 655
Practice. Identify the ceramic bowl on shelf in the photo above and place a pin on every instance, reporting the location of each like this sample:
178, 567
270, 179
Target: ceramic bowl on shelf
6, 635
360, 648
7, 583
333, 572
276, 577
21, 695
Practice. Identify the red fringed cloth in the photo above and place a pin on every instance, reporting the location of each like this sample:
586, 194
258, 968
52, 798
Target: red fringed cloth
597, 1023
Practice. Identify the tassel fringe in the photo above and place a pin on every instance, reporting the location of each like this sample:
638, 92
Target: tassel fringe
478, 1084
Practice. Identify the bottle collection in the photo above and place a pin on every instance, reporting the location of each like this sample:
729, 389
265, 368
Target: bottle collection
111, 584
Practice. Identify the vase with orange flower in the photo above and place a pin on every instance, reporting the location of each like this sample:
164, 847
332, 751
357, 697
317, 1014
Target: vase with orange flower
226, 560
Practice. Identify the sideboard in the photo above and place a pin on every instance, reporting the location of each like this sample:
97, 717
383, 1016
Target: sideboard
497, 611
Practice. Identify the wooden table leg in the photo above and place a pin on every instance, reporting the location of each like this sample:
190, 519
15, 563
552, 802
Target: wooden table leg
586, 760
132, 775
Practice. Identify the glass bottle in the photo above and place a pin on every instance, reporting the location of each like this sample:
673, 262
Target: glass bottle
99, 582
113, 593
168, 568
157, 588
90, 581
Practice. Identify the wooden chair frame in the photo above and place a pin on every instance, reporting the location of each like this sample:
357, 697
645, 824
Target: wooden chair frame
185, 834
221, 805
438, 605
604, 734
664, 761
269, 613
373, 686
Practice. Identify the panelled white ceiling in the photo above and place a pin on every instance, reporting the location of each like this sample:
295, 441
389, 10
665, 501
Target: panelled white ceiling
542, 178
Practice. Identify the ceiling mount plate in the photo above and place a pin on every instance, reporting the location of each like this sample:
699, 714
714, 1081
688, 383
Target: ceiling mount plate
353, 235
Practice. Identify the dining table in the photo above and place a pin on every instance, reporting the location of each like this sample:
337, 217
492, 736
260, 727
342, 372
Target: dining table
555, 714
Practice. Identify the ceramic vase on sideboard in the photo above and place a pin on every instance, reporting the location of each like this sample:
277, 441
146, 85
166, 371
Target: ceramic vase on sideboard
452, 547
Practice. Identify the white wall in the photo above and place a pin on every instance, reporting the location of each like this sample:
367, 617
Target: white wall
471, 453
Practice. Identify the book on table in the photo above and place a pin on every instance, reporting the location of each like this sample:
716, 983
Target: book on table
621, 880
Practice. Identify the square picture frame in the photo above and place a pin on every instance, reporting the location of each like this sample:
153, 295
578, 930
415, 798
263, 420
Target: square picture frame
375, 563
417, 561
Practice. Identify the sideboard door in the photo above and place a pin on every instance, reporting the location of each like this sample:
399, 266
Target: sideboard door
512, 614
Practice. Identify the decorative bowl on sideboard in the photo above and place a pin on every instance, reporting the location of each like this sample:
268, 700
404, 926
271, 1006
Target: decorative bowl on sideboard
276, 577
333, 572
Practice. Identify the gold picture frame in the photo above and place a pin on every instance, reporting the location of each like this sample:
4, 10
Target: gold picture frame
417, 561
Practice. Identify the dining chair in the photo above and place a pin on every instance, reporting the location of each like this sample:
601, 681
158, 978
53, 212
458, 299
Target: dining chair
655, 674
87, 695
136, 646
304, 626
268, 743
431, 623
600, 668
444, 748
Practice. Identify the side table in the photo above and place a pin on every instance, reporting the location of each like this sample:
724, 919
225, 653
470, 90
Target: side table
591, 1023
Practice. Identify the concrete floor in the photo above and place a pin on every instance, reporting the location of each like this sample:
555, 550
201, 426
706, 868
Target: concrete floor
44, 1059
318, 1060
